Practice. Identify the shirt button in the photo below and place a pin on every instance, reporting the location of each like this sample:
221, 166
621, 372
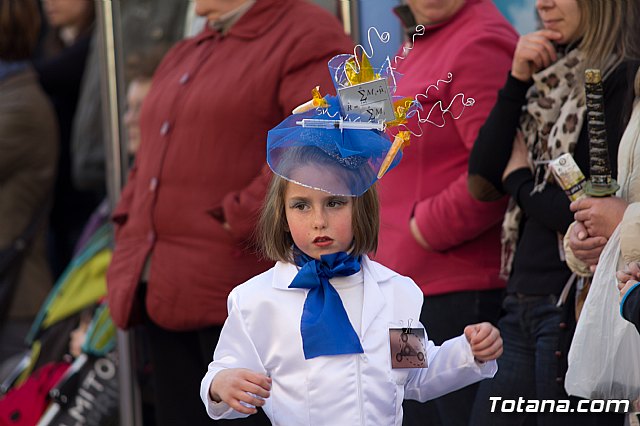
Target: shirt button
153, 184
165, 128
151, 237
184, 78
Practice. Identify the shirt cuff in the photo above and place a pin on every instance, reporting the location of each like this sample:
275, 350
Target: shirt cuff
516, 89
514, 182
486, 369
215, 410
218, 410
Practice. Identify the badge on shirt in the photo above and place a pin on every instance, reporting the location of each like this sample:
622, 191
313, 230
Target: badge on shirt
407, 348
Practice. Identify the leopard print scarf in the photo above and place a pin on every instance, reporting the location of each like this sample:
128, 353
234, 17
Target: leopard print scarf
550, 125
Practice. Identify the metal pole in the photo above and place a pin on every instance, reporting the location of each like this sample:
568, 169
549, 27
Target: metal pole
112, 82
350, 12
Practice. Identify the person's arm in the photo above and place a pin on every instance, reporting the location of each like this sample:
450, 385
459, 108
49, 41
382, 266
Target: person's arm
235, 350
241, 209
451, 366
550, 207
492, 148
453, 217
534, 52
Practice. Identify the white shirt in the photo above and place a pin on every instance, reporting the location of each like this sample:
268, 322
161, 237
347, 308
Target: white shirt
351, 291
262, 333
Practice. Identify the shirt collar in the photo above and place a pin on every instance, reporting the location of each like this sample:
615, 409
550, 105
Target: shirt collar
226, 21
253, 23
284, 273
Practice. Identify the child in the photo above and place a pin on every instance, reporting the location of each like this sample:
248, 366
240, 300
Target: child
325, 335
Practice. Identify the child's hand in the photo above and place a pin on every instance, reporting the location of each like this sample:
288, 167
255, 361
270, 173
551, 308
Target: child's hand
485, 341
235, 385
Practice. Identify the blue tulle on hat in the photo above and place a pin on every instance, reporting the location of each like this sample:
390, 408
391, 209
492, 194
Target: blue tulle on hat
338, 161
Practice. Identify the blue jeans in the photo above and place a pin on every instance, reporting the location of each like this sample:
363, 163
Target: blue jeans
529, 368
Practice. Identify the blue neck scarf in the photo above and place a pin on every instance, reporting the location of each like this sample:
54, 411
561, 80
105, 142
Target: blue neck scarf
325, 326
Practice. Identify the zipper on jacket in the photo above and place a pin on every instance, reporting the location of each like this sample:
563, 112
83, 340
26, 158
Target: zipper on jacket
359, 385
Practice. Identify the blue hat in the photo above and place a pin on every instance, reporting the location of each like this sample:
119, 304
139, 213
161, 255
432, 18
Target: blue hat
338, 143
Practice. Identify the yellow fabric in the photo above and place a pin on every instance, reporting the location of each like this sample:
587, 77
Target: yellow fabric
84, 286
400, 108
102, 335
360, 71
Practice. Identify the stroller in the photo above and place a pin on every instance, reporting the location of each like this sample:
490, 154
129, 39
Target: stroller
85, 391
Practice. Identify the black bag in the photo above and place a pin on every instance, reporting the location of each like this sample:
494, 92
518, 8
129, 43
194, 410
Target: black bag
11, 260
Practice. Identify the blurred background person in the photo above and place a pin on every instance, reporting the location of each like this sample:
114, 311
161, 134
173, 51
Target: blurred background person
630, 227
28, 155
60, 69
431, 228
140, 65
540, 115
187, 213
149, 28
597, 217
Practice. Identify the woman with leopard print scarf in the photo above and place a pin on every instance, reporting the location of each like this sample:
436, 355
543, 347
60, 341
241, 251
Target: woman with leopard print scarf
540, 115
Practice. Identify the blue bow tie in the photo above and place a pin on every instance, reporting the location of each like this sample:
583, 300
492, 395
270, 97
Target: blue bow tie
325, 326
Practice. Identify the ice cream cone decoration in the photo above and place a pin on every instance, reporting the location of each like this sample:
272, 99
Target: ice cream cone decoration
316, 102
399, 142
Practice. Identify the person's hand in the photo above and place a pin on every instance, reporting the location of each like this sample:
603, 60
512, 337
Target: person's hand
630, 272
586, 248
625, 287
628, 277
77, 338
485, 341
415, 231
519, 157
534, 52
236, 385
600, 216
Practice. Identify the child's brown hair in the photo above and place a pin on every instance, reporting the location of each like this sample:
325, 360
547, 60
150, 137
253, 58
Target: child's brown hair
275, 240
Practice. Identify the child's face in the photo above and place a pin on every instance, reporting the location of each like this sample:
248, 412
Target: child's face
78, 336
320, 223
136, 93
